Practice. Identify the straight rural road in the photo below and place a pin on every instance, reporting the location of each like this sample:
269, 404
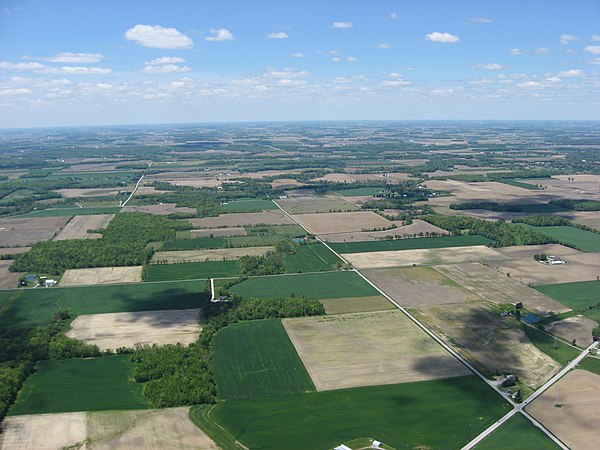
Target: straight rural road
135, 188
517, 407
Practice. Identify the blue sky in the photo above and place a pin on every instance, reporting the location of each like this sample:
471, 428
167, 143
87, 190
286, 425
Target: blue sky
123, 62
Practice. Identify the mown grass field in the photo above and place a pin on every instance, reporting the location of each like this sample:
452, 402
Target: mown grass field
192, 271
359, 192
93, 384
582, 296
256, 359
558, 350
409, 244
586, 241
319, 286
518, 433
311, 258
249, 205
431, 414
59, 212
32, 307
590, 364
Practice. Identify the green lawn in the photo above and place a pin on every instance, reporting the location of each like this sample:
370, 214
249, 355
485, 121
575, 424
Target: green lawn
319, 286
34, 307
192, 271
443, 414
556, 349
256, 359
311, 258
359, 192
248, 205
409, 244
591, 364
518, 433
582, 296
586, 241
55, 212
194, 244
93, 384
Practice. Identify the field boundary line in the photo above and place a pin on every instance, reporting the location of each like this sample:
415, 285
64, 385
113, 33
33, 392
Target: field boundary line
226, 431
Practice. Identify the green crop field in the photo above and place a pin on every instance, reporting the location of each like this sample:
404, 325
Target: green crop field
556, 349
409, 244
55, 212
319, 286
582, 296
518, 433
255, 359
248, 205
192, 271
586, 241
359, 192
311, 258
444, 414
194, 244
591, 364
93, 384
32, 307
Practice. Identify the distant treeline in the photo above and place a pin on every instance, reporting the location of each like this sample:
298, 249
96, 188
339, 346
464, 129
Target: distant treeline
577, 205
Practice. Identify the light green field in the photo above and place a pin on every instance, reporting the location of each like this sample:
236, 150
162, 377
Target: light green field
517, 433
256, 359
311, 258
249, 205
92, 384
409, 244
192, 271
582, 296
339, 284
586, 241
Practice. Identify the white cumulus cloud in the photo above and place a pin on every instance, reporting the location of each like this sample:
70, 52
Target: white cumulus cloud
166, 68
384, 45
516, 51
165, 60
75, 58
341, 25
490, 66
474, 20
542, 51
596, 37
593, 49
7, 65
155, 36
219, 34
278, 35
568, 38
445, 38
572, 73
75, 70
286, 73
298, 55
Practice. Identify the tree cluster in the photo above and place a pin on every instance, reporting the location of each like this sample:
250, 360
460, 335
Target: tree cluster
577, 205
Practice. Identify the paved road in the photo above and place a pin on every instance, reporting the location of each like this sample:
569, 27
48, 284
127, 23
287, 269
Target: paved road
135, 188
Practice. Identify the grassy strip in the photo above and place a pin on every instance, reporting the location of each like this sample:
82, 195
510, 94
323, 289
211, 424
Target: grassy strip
554, 348
518, 433
60, 212
200, 415
93, 384
409, 244
591, 364
255, 359
194, 244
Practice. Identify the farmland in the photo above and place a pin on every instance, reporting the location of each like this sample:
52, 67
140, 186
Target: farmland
518, 434
249, 205
78, 227
409, 244
221, 254
341, 222
584, 240
242, 219
393, 413
255, 359
101, 275
311, 258
76, 211
192, 271
311, 285
80, 385
313, 205
21, 231
356, 304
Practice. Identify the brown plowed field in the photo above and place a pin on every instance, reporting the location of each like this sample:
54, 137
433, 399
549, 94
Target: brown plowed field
78, 226
22, 231
418, 226
313, 205
101, 275
242, 219
219, 254
342, 222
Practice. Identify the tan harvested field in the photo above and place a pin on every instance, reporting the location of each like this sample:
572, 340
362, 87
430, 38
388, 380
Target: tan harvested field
584, 187
8, 280
389, 177
579, 267
22, 231
342, 222
356, 304
162, 210
497, 288
110, 331
218, 232
577, 327
43, 431
78, 226
311, 205
368, 349
242, 219
418, 226
13, 250
419, 286
527, 251
92, 192
219, 254
145, 190
575, 423
587, 218
433, 256
492, 343
101, 275
283, 183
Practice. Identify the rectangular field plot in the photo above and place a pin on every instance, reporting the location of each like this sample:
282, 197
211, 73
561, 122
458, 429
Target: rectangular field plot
419, 286
498, 288
573, 423
192, 271
242, 219
249, 205
582, 297
111, 331
356, 304
368, 349
518, 433
101, 275
409, 244
92, 384
404, 232
586, 241
8, 279
256, 359
218, 232
219, 254
342, 222
78, 227
434, 256
194, 243
32, 307
492, 343
311, 285
68, 212
23, 230
312, 205
311, 258
443, 414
